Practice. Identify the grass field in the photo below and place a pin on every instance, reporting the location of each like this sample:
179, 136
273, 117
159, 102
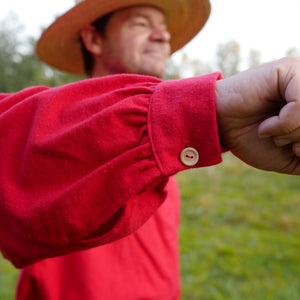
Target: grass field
240, 235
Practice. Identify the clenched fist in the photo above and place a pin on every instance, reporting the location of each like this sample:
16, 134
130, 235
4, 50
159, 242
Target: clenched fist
259, 115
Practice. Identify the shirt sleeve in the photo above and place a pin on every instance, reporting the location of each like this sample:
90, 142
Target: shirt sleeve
86, 163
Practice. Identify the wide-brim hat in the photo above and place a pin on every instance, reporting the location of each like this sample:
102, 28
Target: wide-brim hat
60, 47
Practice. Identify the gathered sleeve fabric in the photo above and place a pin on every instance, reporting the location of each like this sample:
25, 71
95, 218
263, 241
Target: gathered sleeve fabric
87, 163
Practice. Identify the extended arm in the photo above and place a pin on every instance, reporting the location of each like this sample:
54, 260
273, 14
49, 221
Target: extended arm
85, 164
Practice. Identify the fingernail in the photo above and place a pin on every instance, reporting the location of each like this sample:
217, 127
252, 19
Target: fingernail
281, 142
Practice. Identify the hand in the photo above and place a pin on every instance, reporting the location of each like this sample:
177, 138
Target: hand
259, 115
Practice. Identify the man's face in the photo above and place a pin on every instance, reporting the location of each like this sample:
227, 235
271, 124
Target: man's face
136, 41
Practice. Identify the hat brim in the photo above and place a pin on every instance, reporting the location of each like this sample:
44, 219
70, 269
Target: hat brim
60, 47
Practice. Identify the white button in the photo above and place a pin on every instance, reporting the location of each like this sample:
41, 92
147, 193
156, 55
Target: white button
189, 156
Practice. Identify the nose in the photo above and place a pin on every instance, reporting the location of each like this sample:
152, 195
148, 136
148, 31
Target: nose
161, 35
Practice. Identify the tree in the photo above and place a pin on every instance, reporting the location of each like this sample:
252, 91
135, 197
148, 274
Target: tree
293, 52
254, 58
19, 65
187, 67
9, 56
228, 58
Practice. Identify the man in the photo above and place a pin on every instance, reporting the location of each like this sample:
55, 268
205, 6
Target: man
89, 165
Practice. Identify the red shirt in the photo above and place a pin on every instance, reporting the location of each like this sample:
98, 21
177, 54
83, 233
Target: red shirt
87, 164
144, 265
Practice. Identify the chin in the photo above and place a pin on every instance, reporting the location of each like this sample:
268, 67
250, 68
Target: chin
153, 73
153, 66
156, 72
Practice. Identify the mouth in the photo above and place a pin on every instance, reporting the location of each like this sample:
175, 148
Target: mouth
156, 53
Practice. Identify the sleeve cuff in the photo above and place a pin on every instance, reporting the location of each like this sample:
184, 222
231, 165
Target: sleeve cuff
183, 125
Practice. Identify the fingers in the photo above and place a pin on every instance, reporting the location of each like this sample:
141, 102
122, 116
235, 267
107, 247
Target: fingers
284, 140
292, 138
271, 127
296, 149
284, 126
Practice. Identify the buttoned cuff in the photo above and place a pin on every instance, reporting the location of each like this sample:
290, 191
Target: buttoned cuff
183, 125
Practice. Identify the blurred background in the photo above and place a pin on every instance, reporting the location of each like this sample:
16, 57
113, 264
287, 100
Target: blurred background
240, 232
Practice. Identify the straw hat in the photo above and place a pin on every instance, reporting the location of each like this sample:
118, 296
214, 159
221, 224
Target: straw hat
60, 47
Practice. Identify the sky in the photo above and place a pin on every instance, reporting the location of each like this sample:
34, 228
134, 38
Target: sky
269, 26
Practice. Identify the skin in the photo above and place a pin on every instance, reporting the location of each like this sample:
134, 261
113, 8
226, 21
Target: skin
136, 41
257, 110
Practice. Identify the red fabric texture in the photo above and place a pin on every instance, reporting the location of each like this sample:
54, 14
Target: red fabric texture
143, 265
87, 164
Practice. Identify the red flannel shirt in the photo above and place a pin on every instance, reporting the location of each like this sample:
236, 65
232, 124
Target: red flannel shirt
87, 164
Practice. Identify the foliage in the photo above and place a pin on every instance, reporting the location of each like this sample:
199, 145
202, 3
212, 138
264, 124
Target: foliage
254, 58
228, 58
187, 67
19, 65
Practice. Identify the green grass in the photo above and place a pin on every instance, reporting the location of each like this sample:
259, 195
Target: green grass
8, 278
240, 235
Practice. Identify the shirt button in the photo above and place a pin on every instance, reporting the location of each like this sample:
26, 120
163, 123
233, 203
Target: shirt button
189, 156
